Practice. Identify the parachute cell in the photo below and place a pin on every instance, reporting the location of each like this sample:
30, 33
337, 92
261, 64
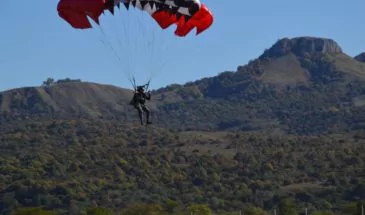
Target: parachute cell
185, 14
75, 12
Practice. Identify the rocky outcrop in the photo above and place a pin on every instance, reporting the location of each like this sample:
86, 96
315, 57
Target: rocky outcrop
301, 45
360, 57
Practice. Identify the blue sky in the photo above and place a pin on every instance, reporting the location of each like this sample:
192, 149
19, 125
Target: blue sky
36, 43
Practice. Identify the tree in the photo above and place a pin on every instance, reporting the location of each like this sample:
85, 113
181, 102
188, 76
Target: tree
255, 211
171, 205
353, 208
100, 211
32, 211
48, 82
144, 209
199, 209
323, 213
287, 207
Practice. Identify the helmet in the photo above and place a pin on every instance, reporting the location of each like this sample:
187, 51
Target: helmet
140, 88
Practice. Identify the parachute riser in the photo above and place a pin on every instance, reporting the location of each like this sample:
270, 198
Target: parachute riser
134, 85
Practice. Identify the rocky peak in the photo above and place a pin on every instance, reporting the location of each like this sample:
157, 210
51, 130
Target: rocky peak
301, 45
360, 57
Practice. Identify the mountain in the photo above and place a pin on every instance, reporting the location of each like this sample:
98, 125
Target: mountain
295, 80
302, 85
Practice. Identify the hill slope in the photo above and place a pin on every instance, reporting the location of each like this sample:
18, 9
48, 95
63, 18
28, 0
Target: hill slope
299, 90
70, 165
68, 98
293, 81
66, 101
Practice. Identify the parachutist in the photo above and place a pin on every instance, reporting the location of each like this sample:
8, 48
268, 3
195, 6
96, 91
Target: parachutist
139, 100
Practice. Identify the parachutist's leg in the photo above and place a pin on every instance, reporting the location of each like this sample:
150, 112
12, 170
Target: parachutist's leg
147, 110
140, 113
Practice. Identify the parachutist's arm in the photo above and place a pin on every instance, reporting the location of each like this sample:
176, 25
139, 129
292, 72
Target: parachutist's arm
148, 96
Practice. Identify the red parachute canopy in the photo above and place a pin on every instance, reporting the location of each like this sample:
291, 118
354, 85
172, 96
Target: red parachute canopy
186, 14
